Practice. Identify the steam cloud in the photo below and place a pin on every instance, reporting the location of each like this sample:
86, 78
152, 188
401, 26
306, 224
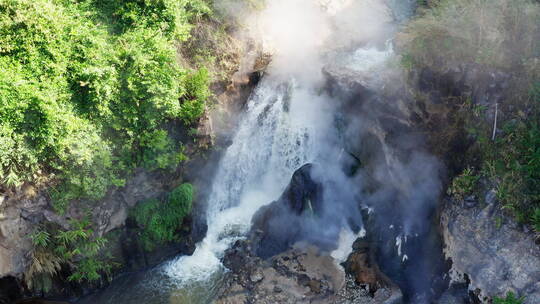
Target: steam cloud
334, 50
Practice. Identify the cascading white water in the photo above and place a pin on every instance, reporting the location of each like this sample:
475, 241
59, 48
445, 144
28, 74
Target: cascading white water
284, 127
277, 135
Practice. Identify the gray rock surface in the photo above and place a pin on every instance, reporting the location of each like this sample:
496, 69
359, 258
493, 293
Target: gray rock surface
496, 258
299, 275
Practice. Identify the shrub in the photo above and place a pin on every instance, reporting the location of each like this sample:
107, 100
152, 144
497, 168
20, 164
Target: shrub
535, 219
85, 164
170, 17
516, 163
160, 220
149, 83
159, 151
509, 299
197, 92
463, 184
18, 163
44, 265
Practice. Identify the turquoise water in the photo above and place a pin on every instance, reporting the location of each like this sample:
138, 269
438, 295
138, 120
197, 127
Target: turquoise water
155, 287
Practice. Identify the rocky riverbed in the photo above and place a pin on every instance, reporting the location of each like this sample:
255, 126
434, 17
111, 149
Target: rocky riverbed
301, 274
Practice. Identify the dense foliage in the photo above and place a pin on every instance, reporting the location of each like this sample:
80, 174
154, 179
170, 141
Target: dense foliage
87, 88
160, 220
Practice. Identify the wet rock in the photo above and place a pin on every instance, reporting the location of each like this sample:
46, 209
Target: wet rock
351, 293
470, 203
277, 226
494, 257
456, 294
491, 197
361, 266
257, 276
315, 286
470, 198
303, 193
298, 275
235, 294
301, 274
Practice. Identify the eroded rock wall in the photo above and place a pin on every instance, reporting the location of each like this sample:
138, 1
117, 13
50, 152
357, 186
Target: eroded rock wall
490, 251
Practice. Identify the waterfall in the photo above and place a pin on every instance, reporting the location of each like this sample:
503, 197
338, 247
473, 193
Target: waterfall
276, 136
289, 121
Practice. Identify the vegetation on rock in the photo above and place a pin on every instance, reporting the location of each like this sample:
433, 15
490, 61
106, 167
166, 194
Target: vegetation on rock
77, 248
499, 35
89, 91
509, 299
464, 184
160, 220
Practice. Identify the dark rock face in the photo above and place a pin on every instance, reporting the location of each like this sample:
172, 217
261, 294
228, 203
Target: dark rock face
9, 291
489, 256
442, 93
400, 180
279, 263
303, 193
128, 250
456, 294
40, 301
279, 224
494, 258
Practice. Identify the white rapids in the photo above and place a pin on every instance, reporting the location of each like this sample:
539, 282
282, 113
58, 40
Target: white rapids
276, 137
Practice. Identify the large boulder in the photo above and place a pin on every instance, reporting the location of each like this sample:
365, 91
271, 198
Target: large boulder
363, 267
494, 257
279, 224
